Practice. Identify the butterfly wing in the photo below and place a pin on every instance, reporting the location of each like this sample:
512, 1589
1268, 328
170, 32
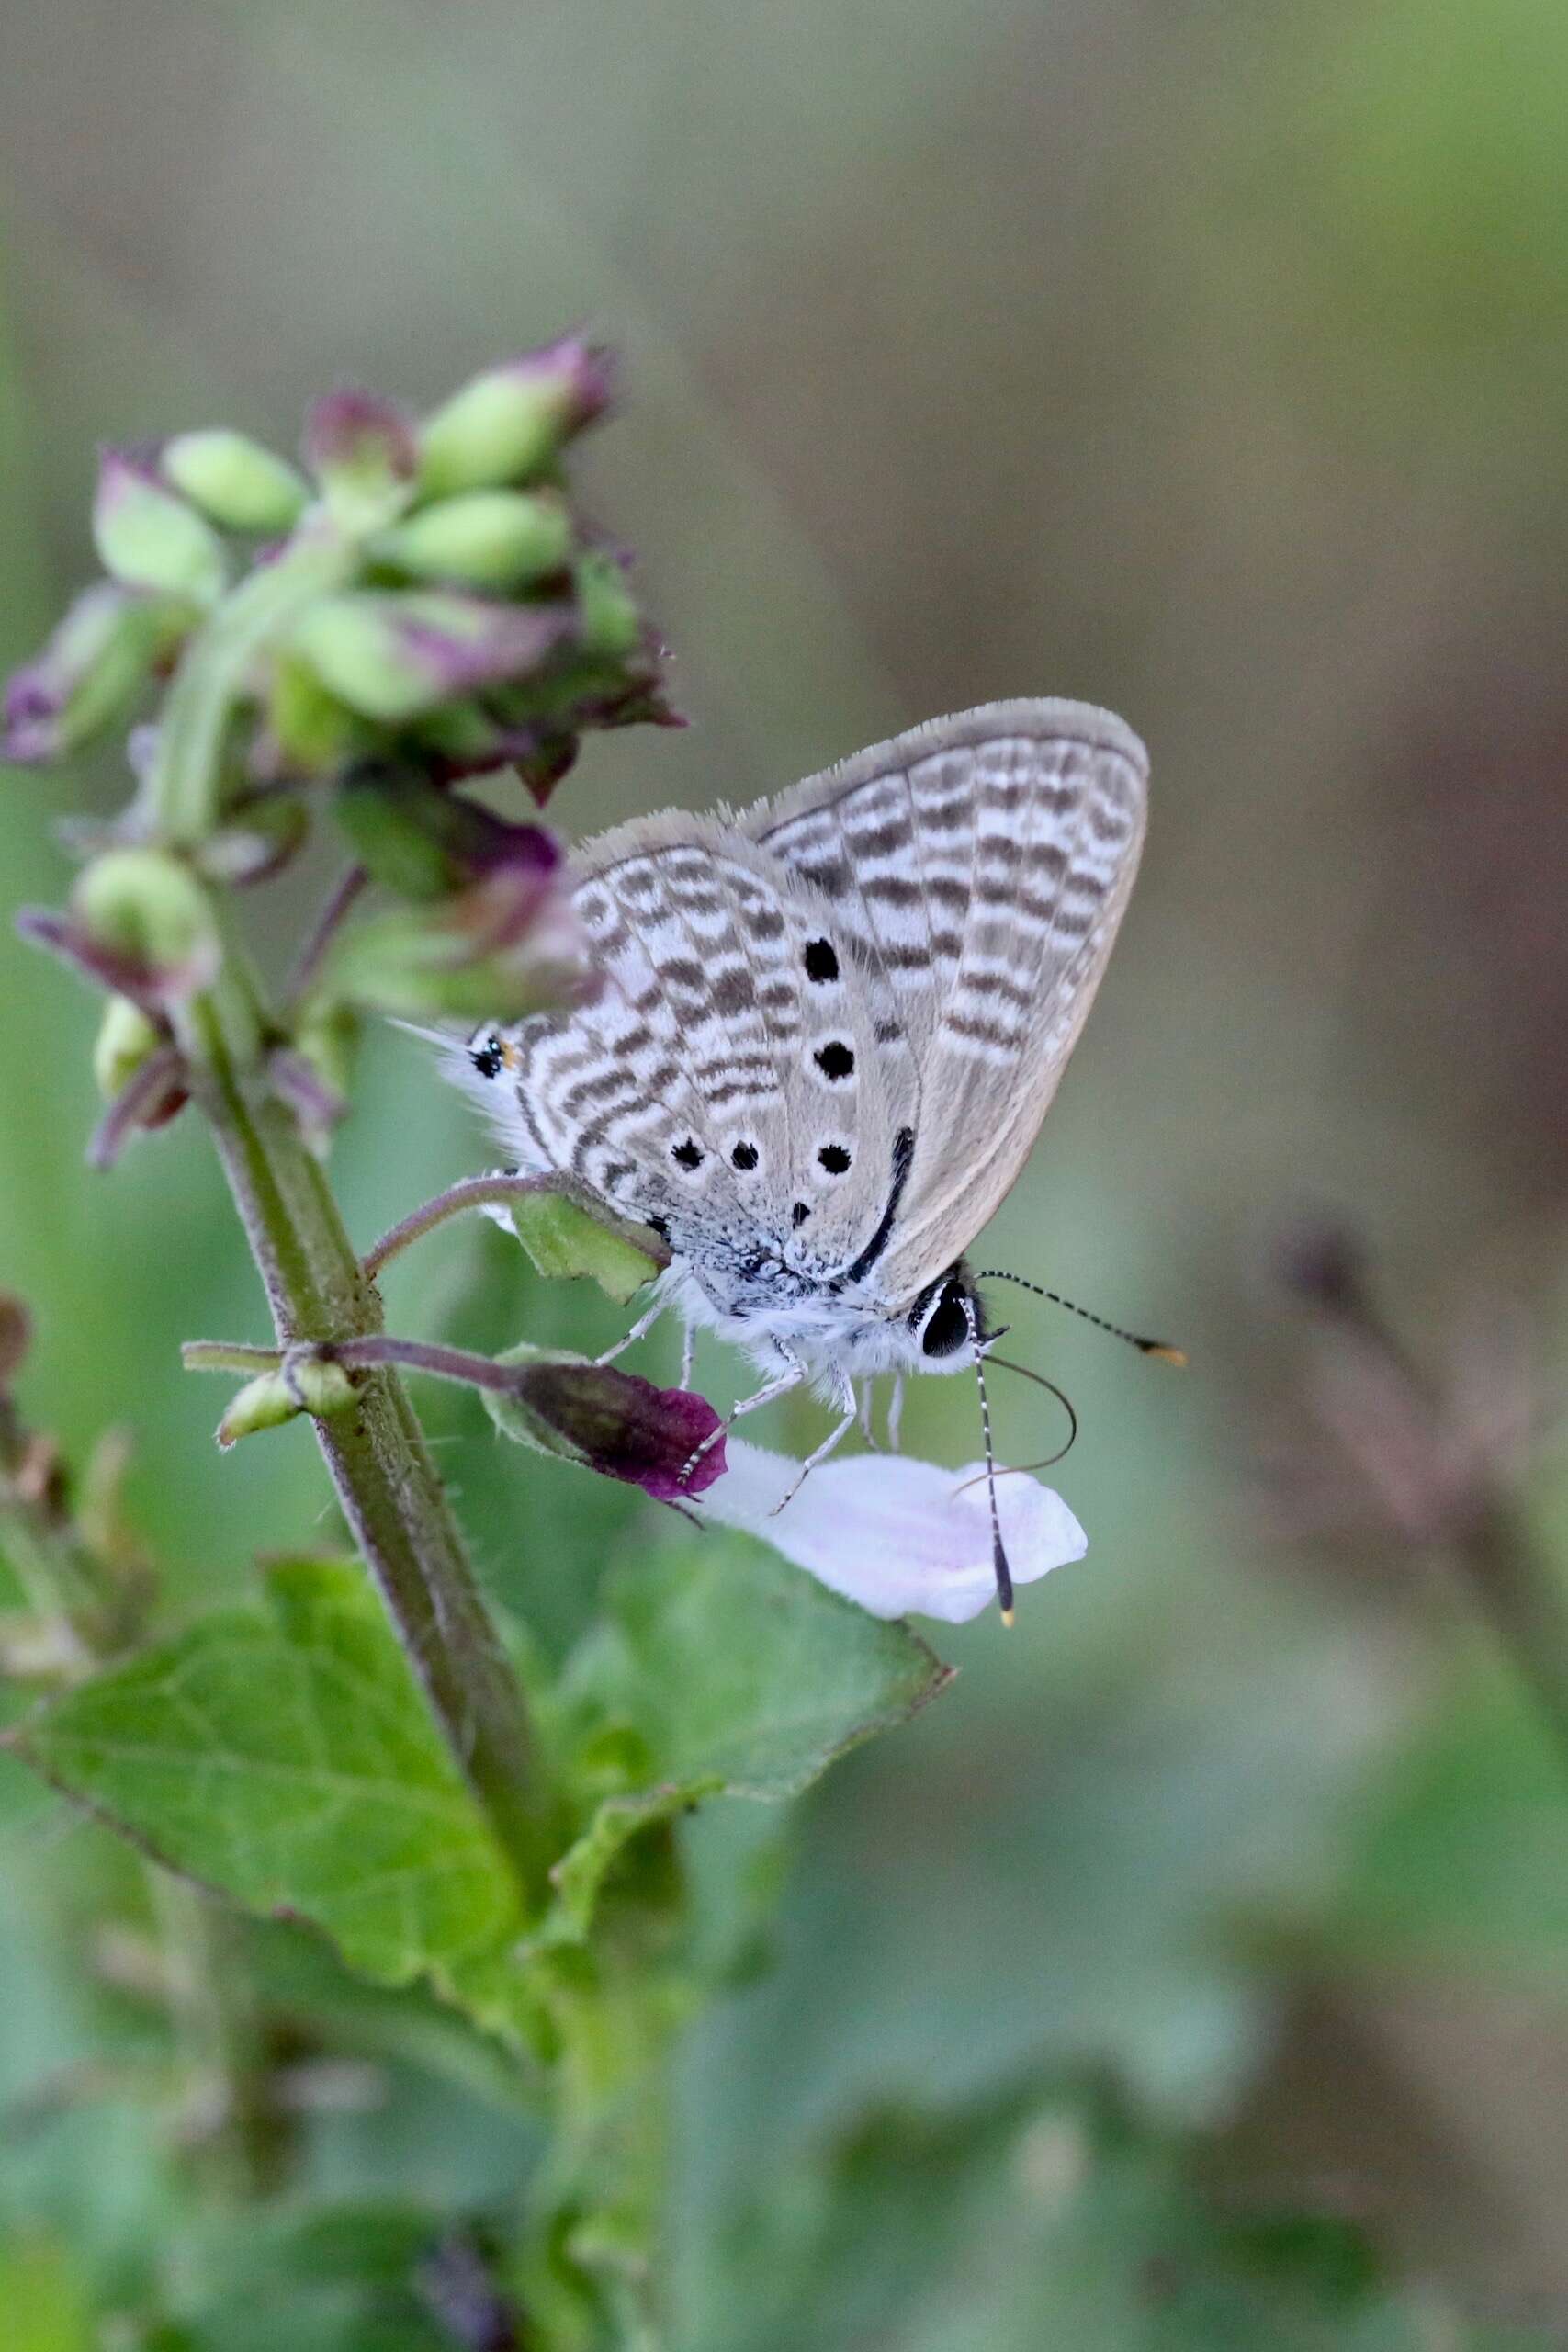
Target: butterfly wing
981, 864
726, 1083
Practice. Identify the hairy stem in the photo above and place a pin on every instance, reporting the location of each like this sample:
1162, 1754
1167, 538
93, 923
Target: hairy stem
478, 1192
380, 1464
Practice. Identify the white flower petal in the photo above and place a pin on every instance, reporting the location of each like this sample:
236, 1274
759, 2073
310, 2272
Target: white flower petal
898, 1535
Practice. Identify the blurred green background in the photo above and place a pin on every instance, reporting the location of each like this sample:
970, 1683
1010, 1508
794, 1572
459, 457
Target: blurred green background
1209, 362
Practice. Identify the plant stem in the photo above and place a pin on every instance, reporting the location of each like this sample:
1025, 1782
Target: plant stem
477, 1191
340, 903
380, 1464
240, 2134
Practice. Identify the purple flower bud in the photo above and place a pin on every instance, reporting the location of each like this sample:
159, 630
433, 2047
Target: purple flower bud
88, 673
352, 431
424, 842
393, 657
362, 450
623, 1426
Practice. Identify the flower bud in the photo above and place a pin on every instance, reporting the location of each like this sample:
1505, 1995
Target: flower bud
506, 425
425, 843
393, 656
262, 831
234, 481
610, 1421
485, 538
508, 944
148, 909
326, 1036
307, 731
361, 448
127, 1038
305, 1385
609, 626
149, 538
89, 672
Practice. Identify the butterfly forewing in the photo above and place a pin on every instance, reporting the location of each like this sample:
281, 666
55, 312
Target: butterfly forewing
726, 1080
981, 865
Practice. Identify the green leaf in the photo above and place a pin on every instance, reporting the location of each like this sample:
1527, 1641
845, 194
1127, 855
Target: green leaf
731, 1666
579, 1876
562, 1239
1458, 1866
42, 2296
350, 2277
284, 1756
1028, 2221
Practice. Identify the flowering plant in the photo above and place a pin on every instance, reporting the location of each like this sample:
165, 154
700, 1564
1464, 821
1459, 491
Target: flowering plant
419, 606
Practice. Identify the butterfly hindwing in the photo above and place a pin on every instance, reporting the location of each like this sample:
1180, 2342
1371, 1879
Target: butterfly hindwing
981, 864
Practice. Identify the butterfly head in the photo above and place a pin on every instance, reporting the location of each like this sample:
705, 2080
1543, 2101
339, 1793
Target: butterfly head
942, 1319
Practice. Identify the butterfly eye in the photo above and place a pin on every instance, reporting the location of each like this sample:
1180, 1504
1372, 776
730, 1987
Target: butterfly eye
946, 1327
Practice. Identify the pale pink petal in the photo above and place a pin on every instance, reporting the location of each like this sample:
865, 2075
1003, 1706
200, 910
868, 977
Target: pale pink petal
899, 1536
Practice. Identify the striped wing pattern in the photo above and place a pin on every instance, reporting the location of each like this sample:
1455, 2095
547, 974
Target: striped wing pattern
691, 1091
981, 864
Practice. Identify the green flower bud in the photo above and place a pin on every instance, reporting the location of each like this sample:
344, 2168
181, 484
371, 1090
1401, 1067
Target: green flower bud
609, 626
507, 425
508, 944
149, 538
90, 672
147, 908
307, 731
274, 1397
125, 1039
486, 539
234, 481
327, 1037
262, 832
392, 656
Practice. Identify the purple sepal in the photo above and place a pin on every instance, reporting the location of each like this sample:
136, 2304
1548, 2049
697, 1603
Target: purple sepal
487, 644
353, 430
151, 986
149, 1098
626, 1428
581, 373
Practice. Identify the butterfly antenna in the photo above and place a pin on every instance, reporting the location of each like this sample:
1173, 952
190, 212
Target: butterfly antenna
998, 1550
1025, 1469
1159, 1348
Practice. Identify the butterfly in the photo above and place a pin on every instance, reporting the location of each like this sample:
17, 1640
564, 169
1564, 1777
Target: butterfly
830, 1027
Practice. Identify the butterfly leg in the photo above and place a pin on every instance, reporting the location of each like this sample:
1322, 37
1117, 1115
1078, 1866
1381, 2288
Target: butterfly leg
688, 1350
781, 1386
645, 1322
849, 1407
864, 1417
896, 1412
